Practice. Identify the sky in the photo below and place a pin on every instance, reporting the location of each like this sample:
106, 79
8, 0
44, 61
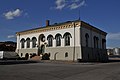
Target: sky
19, 15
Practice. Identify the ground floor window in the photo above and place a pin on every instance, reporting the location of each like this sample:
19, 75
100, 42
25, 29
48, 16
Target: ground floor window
66, 54
21, 54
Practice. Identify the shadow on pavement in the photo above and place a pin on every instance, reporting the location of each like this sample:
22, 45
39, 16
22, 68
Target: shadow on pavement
10, 62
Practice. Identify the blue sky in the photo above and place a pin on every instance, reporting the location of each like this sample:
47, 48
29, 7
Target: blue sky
19, 15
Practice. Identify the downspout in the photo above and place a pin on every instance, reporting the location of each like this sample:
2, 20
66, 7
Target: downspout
19, 44
74, 43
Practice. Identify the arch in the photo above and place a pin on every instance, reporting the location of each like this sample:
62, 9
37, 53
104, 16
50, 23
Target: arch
67, 33
34, 40
58, 39
55, 56
50, 40
22, 43
41, 38
28, 42
22, 40
49, 36
67, 37
58, 34
66, 54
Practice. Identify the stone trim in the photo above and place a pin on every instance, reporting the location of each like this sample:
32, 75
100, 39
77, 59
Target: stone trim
63, 26
49, 28
90, 27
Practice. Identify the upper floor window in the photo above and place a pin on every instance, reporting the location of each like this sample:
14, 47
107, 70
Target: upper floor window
96, 41
58, 39
34, 40
50, 40
22, 43
86, 39
28, 42
67, 37
103, 44
41, 38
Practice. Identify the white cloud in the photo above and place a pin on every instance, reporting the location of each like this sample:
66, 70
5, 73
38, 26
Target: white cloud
13, 14
77, 5
60, 4
113, 36
71, 4
76, 0
11, 36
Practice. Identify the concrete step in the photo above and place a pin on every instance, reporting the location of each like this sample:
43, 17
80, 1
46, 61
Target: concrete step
36, 58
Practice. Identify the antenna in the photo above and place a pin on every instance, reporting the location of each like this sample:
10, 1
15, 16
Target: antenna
79, 15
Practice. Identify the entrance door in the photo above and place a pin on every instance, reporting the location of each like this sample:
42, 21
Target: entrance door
42, 49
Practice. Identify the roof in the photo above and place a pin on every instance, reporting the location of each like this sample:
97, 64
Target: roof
59, 24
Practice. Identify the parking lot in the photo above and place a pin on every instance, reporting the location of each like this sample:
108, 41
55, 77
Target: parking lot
61, 71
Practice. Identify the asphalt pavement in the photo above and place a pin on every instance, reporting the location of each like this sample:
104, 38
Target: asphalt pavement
61, 71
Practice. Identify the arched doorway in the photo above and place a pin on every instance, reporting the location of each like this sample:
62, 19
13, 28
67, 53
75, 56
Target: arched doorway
26, 56
55, 56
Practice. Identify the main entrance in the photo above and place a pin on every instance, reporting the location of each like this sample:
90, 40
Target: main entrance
41, 50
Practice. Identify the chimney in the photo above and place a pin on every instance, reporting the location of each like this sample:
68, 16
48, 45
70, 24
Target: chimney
47, 22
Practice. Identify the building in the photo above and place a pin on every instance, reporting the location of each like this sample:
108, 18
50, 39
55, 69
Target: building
114, 51
71, 40
110, 51
7, 46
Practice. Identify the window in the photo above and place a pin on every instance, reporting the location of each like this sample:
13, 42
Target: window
67, 37
50, 40
22, 43
34, 42
41, 38
103, 44
96, 40
66, 54
86, 39
28, 42
21, 54
58, 39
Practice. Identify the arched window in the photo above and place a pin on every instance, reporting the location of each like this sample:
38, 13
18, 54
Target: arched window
34, 42
103, 44
50, 40
86, 39
66, 54
96, 42
22, 43
28, 42
67, 37
21, 54
58, 39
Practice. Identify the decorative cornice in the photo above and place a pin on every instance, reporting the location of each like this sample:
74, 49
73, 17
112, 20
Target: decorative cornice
90, 27
50, 28
60, 26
